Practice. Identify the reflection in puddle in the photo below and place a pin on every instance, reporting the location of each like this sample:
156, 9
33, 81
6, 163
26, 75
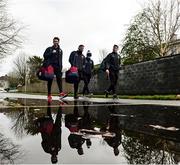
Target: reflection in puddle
50, 132
165, 128
84, 133
9, 152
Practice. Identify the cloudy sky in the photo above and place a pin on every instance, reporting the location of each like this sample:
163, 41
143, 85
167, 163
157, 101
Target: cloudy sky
98, 24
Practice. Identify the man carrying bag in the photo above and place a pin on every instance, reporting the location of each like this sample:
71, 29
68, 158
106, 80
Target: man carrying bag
77, 60
53, 57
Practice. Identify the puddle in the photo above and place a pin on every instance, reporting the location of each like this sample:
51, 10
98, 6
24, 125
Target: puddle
89, 133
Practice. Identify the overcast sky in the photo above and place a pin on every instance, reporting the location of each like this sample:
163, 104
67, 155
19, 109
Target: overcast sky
98, 24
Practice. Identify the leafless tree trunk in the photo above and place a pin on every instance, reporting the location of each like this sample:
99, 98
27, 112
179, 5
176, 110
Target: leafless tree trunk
102, 54
164, 22
21, 68
10, 38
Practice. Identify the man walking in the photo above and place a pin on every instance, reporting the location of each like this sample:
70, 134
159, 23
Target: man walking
88, 68
77, 59
112, 64
53, 56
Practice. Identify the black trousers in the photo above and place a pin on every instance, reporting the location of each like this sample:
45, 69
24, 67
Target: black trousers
58, 74
87, 78
113, 75
76, 85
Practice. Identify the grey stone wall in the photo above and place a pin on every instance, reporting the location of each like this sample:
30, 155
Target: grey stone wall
159, 76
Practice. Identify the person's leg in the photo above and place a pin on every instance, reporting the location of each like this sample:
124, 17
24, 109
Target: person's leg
76, 89
110, 86
116, 74
88, 81
49, 111
112, 80
75, 110
58, 118
58, 74
81, 77
85, 89
49, 84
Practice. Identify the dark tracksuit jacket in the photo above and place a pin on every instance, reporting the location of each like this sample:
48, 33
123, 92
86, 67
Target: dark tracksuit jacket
88, 68
53, 57
113, 62
77, 59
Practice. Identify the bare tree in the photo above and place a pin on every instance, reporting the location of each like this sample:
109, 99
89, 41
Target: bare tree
13, 80
152, 31
10, 38
21, 68
147, 149
102, 54
163, 21
9, 152
34, 63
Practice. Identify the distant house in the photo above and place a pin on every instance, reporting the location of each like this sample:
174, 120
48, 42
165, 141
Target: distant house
174, 47
4, 83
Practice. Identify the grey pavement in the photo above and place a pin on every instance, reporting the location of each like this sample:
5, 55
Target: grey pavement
96, 100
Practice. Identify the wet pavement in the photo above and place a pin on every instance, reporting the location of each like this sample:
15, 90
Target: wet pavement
97, 100
33, 131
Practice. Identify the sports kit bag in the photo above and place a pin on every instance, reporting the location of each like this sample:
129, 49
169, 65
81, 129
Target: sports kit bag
72, 76
46, 73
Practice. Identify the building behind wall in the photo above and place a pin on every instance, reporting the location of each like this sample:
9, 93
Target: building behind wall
174, 47
4, 83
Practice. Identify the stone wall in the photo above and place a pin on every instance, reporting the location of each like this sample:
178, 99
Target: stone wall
159, 76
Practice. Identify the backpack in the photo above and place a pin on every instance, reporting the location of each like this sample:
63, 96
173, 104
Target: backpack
103, 65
